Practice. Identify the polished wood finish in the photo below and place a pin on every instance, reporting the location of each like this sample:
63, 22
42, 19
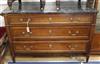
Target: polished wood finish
50, 47
62, 32
95, 49
50, 18
50, 33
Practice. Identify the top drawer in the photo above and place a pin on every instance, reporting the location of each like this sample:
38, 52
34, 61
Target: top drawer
49, 18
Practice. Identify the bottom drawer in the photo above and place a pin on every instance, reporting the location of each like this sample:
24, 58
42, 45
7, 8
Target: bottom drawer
50, 47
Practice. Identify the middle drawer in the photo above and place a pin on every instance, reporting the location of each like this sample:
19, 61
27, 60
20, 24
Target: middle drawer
49, 31
74, 32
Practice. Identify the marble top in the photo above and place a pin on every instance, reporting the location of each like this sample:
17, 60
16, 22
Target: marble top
34, 7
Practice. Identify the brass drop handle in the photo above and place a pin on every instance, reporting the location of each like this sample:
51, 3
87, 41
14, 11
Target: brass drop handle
27, 32
28, 28
50, 45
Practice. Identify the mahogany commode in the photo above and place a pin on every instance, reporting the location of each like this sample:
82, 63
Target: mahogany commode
67, 30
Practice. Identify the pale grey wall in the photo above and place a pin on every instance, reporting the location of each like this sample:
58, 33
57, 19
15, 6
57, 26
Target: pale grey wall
98, 17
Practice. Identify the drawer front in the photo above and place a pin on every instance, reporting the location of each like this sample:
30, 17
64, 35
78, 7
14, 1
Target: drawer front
96, 42
49, 31
49, 18
50, 46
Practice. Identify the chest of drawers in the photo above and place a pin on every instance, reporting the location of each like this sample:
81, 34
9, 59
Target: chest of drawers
50, 33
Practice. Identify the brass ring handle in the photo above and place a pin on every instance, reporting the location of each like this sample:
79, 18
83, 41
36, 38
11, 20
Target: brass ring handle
27, 28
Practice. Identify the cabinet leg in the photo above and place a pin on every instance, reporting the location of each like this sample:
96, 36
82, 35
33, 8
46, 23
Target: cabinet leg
12, 54
87, 59
13, 59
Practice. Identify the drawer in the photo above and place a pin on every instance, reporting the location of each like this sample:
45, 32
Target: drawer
49, 31
46, 46
96, 42
49, 18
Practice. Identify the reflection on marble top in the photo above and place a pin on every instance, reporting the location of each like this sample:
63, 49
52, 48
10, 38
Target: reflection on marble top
34, 7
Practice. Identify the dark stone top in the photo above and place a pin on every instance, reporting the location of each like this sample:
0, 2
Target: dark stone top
34, 7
